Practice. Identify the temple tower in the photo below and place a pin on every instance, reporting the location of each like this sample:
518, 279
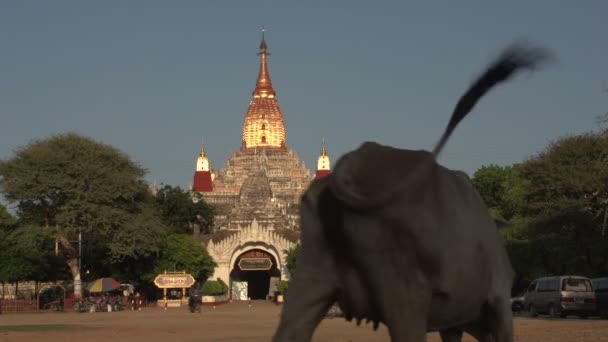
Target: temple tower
323, 163
255, 196
203, 179
264, 125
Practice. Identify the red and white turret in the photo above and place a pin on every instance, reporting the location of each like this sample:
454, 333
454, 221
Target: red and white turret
203, 180
323, 163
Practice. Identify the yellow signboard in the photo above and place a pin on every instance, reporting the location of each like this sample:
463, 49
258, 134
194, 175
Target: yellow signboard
164, 281
255, 264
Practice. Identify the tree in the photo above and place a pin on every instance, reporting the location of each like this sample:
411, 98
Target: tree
567, 201
71, 184
602, 121
523, 254
30, 255
489, 182
182, 213
27, 254
183, 253
502, 189
6, 219
291, 258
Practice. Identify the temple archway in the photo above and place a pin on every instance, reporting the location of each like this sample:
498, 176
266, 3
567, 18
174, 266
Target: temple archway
254, 275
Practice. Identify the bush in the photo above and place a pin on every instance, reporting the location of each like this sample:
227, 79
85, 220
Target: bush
214, 288
219, 280
282, 286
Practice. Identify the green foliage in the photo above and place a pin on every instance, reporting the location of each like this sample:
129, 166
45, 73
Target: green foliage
39, 327
571, 175
282, 286
602, 122
502, 189
488, 181
183, 252
6, 219
291, 258
515, 190
523, 254
214, 288
140, 236
69, 183
72, 182
557, 205
27, 255
26, 252
183, 214
561, 200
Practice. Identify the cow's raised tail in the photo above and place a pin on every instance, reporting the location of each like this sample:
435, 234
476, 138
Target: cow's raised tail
515, 58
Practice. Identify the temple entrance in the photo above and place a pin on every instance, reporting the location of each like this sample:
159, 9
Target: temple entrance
254, 275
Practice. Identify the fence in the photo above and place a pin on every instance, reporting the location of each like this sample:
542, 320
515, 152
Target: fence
18, 305
31, 305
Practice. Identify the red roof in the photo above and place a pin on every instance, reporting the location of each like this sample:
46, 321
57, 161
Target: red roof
322, 173
202, 181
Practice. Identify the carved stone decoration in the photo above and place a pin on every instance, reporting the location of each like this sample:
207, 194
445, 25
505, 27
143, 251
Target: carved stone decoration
256, 194
226, 251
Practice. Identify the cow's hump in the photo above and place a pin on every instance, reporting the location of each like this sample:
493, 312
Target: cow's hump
373, 174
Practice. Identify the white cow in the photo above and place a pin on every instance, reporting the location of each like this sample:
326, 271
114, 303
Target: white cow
396, 238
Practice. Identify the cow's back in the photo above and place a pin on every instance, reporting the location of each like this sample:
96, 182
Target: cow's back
473, 266
437, 215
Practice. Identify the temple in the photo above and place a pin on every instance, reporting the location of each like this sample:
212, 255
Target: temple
256, 196
323, 163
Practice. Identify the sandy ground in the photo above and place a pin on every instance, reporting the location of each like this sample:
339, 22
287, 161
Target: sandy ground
239, 322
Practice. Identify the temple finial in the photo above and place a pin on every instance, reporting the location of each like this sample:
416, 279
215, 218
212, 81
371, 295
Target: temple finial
203, 152
263, 45
263, 87
323, 147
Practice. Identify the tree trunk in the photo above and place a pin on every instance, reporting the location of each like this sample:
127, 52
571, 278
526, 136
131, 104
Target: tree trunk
70, 254
16, 288
196, 230
3, 290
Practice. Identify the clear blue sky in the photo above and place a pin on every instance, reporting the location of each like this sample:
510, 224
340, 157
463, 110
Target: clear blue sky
153, 77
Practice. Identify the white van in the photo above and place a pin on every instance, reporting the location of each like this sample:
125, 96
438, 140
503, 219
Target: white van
560, 295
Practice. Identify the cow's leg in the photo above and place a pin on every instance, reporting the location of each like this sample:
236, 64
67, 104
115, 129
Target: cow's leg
390, 272
451, 335
496, 324
308, 300
405, 305
312, 289
406, 317
500, 319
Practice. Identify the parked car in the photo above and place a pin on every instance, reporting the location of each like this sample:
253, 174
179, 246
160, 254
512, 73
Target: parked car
560, 296
600, 287
517, 302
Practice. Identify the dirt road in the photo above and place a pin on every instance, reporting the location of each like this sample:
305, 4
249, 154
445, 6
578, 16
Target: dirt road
239, 322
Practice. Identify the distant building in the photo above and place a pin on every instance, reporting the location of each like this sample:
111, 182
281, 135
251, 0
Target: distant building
323, 163
256, 196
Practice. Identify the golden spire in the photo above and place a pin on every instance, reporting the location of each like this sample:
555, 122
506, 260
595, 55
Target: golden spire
264, 125
263, 85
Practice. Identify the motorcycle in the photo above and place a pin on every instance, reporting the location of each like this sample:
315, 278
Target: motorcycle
83, 305
117, 305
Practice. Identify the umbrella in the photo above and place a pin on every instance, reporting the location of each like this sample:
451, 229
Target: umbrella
103, 285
